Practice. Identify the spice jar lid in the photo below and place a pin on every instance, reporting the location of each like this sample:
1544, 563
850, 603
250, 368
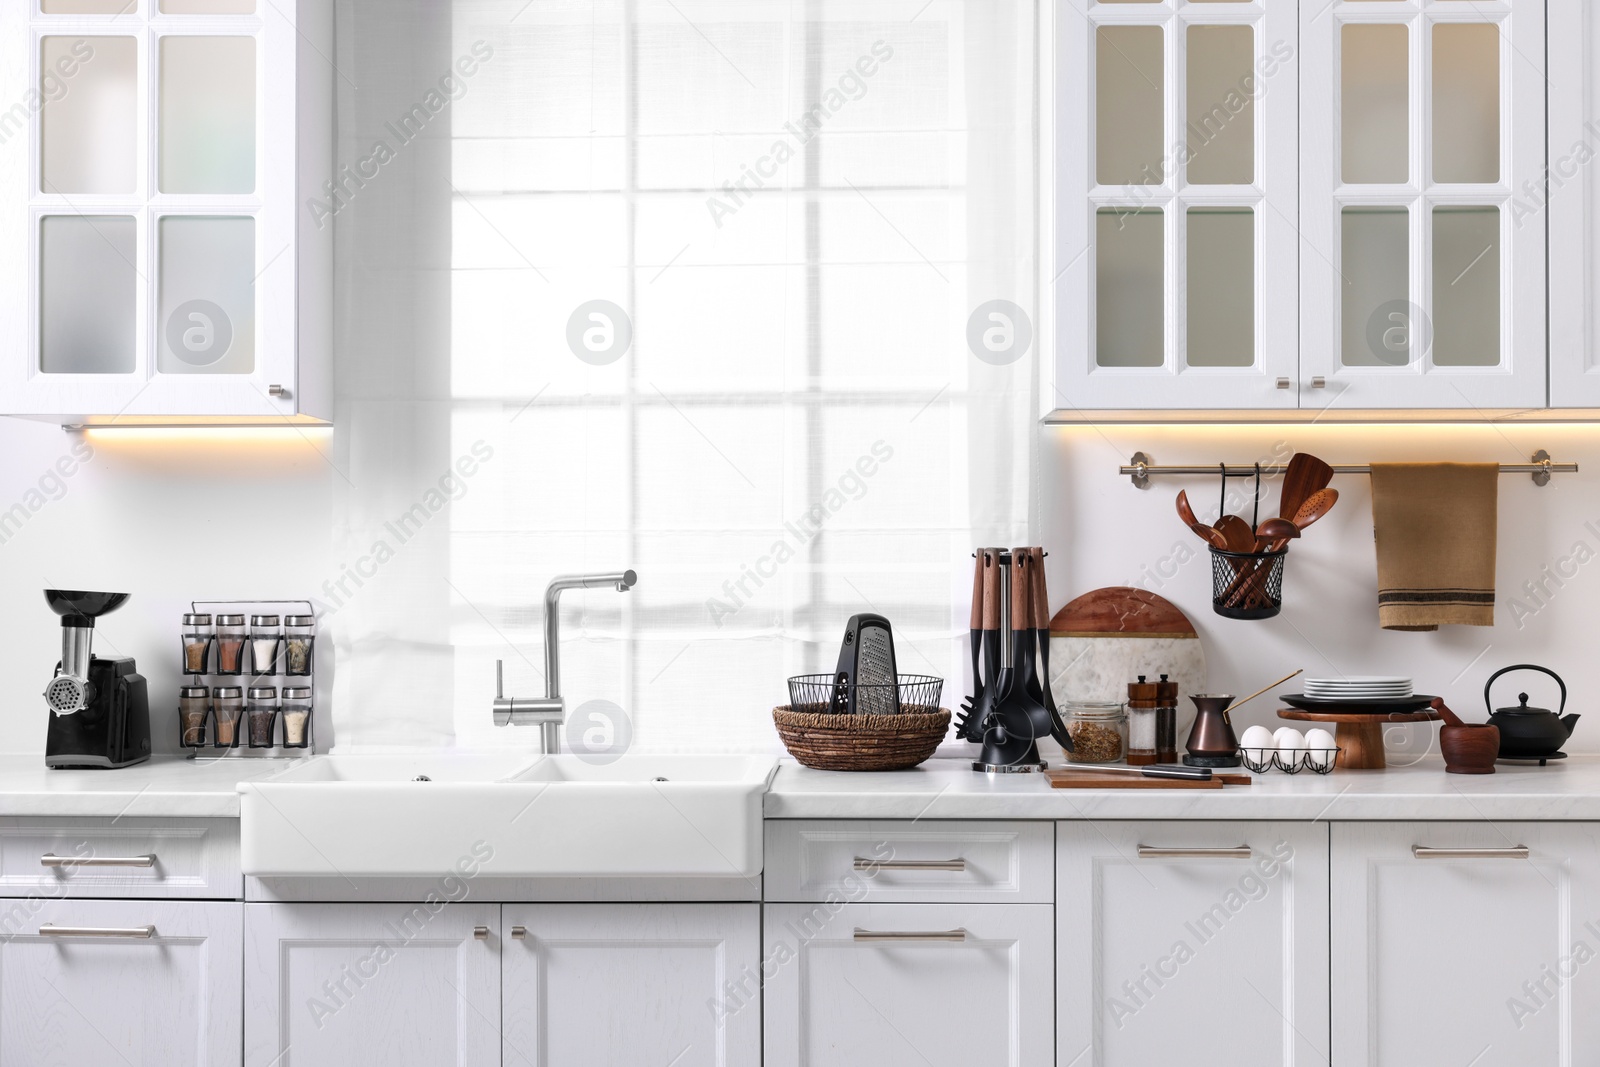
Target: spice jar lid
297, 692
196, 618
190, 692
230, 620
299, 620
1143, 690
263, 620
227, 692
1094, 709
263, 692
1167, 692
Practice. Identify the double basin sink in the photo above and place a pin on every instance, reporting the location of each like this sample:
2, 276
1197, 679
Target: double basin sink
425, 814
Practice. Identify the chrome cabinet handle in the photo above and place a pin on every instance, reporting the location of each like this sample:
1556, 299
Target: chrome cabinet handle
864, 864
50, 859
1283, 383
910, 935
1515, 852
481, 933
1150, 852
519, 933
1319, 382
146, 932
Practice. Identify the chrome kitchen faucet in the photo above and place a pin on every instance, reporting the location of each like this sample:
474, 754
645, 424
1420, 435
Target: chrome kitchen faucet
549, 711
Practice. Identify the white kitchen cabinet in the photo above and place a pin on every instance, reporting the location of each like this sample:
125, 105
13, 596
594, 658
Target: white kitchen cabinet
945, 985
1572, 204
402, 985
101, 996
166, 191
631, 984
1192, 942
1484, 955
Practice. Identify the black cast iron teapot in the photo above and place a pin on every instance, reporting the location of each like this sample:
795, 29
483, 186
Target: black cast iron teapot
1530, 733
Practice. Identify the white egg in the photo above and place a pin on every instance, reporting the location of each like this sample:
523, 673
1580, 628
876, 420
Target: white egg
1322, 740
1319, 738
1257, 737
1289, 739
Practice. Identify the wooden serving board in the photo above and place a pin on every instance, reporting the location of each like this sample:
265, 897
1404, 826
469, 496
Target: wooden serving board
1090, 780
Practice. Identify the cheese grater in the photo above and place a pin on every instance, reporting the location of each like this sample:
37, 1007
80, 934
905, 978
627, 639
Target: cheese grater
865, 682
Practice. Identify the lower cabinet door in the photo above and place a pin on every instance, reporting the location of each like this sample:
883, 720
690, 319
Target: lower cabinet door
119, 982
393, 985
941, 985
1192, 942
1468, 943
632, 984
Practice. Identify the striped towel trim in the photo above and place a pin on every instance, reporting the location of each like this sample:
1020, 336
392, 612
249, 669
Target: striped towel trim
1436, 596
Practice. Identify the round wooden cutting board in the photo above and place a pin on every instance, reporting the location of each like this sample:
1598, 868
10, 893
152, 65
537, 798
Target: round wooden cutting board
1106, 638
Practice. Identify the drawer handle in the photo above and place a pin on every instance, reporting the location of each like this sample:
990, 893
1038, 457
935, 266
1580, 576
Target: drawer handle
910, 935
145, 932
1150, 852
1516, 852
519, 933
864, 864
49, 859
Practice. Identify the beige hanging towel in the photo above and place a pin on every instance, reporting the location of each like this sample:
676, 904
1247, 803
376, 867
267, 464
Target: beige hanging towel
1435, 524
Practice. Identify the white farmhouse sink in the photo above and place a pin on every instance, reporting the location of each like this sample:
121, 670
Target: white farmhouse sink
507, 816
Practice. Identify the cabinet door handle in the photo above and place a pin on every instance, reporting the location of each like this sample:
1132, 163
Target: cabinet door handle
910, 935
50, 859
1515, 852
1319, 382
1283, 383
1150, 852
146, 932
864, 864
519, 933
480, 933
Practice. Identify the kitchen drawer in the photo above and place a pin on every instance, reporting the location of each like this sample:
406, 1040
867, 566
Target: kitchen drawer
911, 861
122, 857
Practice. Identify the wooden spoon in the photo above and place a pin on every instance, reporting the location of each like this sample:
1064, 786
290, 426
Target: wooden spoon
1315, 506
1206, 533
1275, 530
1304, 476
1237, 533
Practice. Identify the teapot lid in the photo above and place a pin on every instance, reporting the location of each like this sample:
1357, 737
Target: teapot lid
1523, 709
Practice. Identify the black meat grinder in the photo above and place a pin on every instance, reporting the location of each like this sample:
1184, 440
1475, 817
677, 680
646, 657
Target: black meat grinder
99, 708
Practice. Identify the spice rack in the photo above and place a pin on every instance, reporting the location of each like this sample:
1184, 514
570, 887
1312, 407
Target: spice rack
250, 683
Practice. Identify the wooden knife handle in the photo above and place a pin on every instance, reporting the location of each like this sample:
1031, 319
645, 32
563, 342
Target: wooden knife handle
991, 589
1021, 590
977, 590
1040, 596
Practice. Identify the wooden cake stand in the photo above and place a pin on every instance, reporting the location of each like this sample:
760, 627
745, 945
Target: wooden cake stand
1359, 736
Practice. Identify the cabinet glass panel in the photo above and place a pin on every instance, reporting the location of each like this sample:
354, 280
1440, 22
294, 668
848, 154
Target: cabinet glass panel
1374, 124
1221, 113
1129, 294
1466, 286
208, 7
1129, 80
1221, 291
206, 319
208, 115
89, 121
87, 294
90, 7
1466, 102
1377, 317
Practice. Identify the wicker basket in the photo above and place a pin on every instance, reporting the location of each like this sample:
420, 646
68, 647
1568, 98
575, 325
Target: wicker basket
861, 742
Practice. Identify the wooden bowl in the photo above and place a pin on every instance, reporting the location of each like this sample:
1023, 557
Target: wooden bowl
1469, 749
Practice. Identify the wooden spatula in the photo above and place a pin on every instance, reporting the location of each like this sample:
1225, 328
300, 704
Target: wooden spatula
1305, 475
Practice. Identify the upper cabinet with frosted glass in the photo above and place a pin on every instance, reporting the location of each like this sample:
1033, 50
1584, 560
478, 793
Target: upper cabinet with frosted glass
159, 261
1331, 218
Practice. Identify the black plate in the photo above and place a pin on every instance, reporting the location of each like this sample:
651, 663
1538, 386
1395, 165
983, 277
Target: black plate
1368, 706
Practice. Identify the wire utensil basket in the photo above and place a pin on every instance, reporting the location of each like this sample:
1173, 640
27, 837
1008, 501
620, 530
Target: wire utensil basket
826, 694
1247, 585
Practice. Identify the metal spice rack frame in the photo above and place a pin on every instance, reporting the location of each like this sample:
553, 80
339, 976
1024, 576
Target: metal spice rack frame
1141, 467
212, 678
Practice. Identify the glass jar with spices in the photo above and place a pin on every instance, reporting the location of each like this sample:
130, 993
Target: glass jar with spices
194, 703
230, 644
1166, 721
1098, 731
299, 642
265, 637
1142, 702
228, 705
296, 716
197, 635
261, 711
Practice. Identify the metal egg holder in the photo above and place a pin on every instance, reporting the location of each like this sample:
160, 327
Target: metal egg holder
246, 677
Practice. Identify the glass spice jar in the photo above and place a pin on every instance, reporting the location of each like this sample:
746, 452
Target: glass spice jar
265, 637
261, 712
227, 702
194, 703
296, 716
299, 642
1098, 730
1142, 702
230, 644
197, 635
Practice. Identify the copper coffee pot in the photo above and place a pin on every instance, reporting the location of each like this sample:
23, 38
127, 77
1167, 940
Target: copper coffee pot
1212, 742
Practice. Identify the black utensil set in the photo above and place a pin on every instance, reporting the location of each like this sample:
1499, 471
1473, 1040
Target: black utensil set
1011, 706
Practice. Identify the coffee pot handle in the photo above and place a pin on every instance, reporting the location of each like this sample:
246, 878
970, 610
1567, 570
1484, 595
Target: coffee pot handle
1524, 667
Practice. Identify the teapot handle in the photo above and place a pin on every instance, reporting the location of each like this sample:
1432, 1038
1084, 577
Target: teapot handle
1524, 667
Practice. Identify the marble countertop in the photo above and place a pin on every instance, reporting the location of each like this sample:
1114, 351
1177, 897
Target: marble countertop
949, 789
162, 787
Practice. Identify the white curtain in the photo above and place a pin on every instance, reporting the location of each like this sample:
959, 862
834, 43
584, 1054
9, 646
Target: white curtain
687, 286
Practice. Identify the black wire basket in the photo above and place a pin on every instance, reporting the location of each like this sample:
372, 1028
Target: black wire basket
823, 694
1247, 585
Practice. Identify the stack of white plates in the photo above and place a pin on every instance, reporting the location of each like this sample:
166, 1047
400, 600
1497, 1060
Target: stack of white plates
1355, 689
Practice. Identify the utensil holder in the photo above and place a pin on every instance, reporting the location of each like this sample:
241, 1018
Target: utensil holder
1247, 585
